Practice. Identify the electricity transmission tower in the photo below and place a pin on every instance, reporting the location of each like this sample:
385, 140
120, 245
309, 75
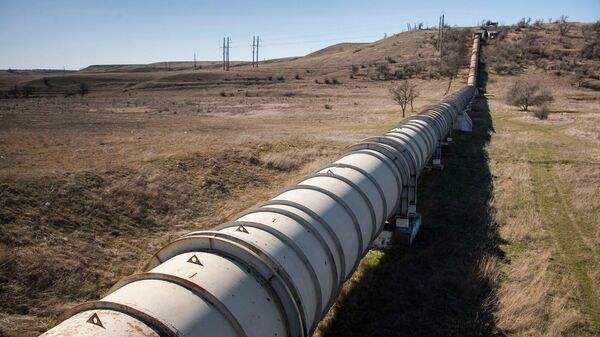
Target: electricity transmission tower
226, 48
224, 54
255, 43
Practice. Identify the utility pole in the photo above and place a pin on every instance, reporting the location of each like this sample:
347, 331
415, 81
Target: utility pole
194, 61
439, 42
227, 54
257, 43
223, 53
253, 46
442, 37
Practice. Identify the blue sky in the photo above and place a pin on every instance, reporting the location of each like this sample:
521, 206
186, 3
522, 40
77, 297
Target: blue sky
78, 33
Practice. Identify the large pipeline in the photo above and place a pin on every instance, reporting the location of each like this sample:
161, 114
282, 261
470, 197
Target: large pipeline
474, 64
277, 268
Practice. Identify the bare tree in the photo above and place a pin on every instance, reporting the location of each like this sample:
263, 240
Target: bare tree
413, 94
563, 26
404, 94
524, 94
591, 50
456, 52
83, 89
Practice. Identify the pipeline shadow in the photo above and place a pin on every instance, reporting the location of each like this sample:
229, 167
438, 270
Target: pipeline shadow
440, 286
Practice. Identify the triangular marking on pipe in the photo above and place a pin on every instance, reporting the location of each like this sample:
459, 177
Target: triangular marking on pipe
242, 229
329, 171
94, 319
194, 259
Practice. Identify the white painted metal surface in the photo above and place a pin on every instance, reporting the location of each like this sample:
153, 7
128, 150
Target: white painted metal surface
474, 64
277, 268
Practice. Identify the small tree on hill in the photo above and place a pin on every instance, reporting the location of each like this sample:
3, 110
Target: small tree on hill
83, 89
404, 94
27, 90
524, 94
353, 70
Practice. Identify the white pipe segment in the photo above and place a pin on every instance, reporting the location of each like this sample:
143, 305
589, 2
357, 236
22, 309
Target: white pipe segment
473, 66
276, 268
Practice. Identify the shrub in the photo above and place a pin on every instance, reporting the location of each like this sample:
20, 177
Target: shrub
270, 78
383, 70
83, 89
47, 82
297, 77
524, 94
280, 78
591, 50
409, 70
14, 92
542, 113
505, 68
524, 23
286, 161
27, 90
353, 70
328, 107
334, 81
223, 94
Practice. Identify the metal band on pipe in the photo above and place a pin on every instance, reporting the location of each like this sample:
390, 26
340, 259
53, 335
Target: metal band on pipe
189, 285
161, 328
202, 241
370, 177
339, 201
301, 220
279, 235
357, 189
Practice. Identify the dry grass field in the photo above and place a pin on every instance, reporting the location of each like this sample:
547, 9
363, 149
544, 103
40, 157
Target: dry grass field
91, 186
